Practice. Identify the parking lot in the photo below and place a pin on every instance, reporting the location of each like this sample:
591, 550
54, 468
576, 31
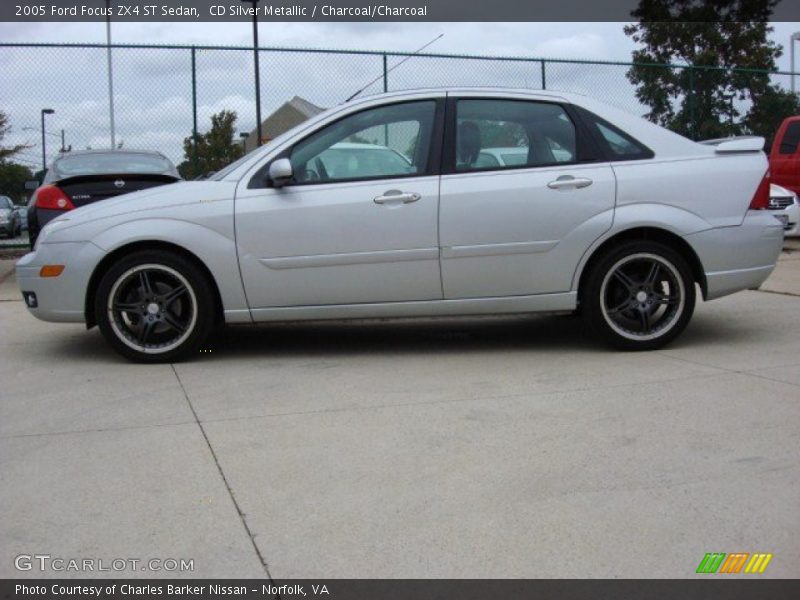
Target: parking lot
493, 447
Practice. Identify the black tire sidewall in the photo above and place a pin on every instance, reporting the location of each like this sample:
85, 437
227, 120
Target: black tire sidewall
590, 295
203, 296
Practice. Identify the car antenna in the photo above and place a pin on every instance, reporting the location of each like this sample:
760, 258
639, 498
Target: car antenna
417, 51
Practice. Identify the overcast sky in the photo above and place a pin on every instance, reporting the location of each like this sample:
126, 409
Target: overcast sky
152, 88
601, 41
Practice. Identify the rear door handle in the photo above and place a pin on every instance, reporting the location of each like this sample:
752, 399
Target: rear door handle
566, 182
397, 197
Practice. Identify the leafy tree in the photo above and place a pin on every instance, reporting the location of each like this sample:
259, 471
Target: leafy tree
12, 180
216, 148
7, 152
768, 112
717, 34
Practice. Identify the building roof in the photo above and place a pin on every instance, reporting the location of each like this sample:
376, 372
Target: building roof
289, 114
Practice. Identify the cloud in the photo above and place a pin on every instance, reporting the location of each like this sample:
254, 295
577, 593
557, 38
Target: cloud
580, 46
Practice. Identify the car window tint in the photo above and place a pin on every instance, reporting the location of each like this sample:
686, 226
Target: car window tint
791, 138
388, 141
617, 144
513, 133
486, 160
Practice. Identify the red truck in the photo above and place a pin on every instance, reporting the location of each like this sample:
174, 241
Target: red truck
784, 158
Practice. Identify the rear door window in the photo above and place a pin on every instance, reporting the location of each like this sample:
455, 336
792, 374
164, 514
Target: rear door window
512, 134
790, 139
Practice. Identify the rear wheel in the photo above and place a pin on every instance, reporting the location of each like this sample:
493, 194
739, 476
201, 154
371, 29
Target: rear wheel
639, 296
155, 306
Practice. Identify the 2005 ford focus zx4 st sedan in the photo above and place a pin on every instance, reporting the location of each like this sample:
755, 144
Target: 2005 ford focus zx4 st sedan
424, 203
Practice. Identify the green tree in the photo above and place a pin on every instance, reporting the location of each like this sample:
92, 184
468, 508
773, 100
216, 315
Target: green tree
719, 35
12, 180
7, 152
768, 111
216, 148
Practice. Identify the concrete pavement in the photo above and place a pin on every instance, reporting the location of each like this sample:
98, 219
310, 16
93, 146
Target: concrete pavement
497, 447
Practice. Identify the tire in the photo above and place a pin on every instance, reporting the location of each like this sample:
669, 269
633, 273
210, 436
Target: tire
144, 315
639, 295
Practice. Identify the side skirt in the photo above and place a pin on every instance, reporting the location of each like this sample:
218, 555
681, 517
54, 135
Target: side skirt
566, 301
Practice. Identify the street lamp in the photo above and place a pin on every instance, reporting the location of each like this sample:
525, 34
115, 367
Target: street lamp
795, 37
244, 135
45, 111
257, 70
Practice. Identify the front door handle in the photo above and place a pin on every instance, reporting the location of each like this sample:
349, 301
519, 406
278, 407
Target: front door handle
566, 182
397, 197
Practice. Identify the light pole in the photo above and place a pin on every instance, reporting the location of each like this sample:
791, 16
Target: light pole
257, 69
795, 37
110, 73
244, 135
45, 111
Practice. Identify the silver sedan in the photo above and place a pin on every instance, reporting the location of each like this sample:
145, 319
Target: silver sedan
388, 207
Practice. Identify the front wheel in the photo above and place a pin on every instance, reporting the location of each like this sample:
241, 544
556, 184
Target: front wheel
154, 306
639, 296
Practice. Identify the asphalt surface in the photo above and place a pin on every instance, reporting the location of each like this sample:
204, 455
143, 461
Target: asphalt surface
495, 447
20, 240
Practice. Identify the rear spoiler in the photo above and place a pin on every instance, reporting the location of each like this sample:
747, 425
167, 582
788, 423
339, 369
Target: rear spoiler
743, 143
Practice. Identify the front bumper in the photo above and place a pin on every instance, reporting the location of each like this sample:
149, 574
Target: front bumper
739, 258
793, 227
63, 298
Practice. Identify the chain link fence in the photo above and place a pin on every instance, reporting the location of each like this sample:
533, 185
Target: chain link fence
164, 94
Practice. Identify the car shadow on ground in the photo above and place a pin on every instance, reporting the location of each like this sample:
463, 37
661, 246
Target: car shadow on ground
531, 334
526, 333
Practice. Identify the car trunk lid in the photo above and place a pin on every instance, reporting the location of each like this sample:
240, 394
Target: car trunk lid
86, 189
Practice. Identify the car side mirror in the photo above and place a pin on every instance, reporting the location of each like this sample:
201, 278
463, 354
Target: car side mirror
31, 184
280, 172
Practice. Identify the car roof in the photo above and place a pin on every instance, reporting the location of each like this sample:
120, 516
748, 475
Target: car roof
663, 142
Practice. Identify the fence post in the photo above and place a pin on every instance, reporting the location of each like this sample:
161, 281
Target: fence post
194, 111
691, 99
544, 77
385, 89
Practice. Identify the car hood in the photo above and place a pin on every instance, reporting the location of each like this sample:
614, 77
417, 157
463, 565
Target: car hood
777, 191
161, 198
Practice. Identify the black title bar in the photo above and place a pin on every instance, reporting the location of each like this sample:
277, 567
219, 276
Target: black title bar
732, 587
335, 10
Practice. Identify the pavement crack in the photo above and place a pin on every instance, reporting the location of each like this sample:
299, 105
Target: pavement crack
97, 430
777, 293
242, 517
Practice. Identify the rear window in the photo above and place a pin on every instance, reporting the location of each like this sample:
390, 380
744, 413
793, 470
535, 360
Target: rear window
790, 138
98, 164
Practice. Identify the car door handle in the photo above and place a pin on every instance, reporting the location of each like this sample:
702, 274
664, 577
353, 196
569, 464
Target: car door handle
568, 181
397, 197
